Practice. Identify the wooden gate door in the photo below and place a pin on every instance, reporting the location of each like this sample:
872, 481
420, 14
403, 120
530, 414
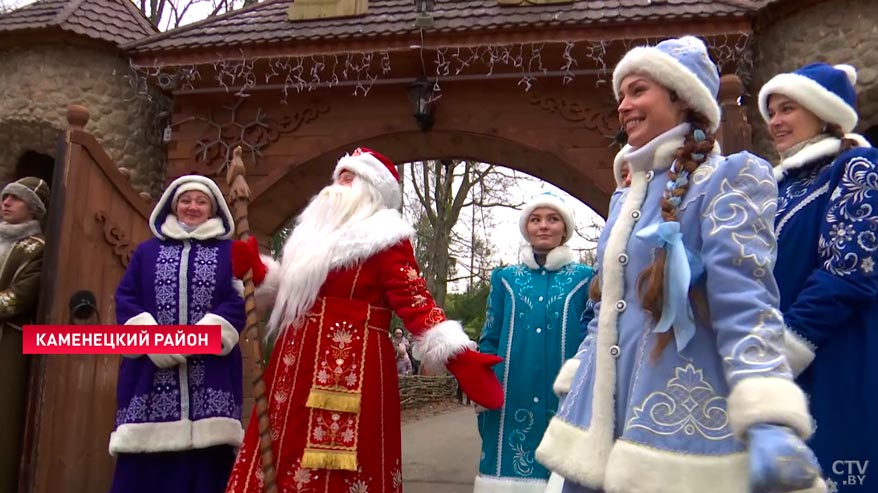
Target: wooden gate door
97, 219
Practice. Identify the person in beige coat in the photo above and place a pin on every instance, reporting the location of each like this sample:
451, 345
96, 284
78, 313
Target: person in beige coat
22, 205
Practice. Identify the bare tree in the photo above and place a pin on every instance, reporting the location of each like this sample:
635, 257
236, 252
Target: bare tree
170, 14
443, 189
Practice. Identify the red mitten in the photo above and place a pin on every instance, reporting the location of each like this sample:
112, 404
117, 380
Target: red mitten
473, 372
245, 256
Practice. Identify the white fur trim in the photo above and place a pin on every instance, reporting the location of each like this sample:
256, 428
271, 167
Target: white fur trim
849, 70
212, 228
555, 484
238, 286
209, 432
827, 147
370, 236
672, 75
552, 202
574, 453
564, 380
193, 186
375, 172
267, 291
142, 318
660, 159
773, 400
229, 334
558, 257
637, 468
137, 438
165, 202
799, 351
825, 104
495, 484
588, 468
440, 343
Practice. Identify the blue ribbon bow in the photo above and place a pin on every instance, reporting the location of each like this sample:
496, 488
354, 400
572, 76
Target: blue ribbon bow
682, 268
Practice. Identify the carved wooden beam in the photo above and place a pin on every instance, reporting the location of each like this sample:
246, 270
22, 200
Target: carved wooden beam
601, 120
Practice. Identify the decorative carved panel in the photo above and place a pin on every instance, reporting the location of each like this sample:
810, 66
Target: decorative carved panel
116, 237
226, 129
604, 121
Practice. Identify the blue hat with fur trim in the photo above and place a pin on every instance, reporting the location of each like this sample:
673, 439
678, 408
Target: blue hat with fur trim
681, 65
825, 90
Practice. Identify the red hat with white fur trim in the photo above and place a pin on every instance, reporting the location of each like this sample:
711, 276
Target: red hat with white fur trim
375, 168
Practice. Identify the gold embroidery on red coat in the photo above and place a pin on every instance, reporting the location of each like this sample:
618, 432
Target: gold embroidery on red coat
436, 316
417, 286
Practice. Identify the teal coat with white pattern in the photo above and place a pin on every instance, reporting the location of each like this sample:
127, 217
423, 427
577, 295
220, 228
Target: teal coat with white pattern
533, 324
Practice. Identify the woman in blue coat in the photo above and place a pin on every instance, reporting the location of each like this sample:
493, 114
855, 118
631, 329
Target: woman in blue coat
179, 417
532, 322
827, 229
681, 385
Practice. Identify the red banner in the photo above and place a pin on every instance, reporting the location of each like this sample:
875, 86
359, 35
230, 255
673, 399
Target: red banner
121, 339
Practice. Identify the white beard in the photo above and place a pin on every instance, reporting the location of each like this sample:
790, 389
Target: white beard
310, 248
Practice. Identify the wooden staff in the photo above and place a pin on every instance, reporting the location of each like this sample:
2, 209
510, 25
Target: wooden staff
239, 199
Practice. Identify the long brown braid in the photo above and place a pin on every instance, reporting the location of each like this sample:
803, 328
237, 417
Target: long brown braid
835, 130
650, 282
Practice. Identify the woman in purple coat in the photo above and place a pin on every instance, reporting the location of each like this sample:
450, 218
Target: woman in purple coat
178, 420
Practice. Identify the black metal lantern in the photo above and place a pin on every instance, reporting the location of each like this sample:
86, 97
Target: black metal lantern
421, 94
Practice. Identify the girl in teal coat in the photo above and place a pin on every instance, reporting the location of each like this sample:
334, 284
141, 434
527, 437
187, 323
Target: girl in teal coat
532, 323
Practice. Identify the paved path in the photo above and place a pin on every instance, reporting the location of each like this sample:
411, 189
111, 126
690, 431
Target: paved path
440, 454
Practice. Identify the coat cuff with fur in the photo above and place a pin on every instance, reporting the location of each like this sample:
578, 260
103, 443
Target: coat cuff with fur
143, 318
798, 350
440, 343
228, 334
564, 380
772, 400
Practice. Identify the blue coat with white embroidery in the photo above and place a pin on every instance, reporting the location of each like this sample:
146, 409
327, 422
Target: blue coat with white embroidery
827, 228
533, 324
181, 278
634, 422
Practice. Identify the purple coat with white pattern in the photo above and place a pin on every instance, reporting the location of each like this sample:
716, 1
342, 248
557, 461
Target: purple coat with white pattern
181, 278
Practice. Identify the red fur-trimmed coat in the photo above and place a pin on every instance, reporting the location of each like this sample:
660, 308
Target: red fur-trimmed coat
332, 382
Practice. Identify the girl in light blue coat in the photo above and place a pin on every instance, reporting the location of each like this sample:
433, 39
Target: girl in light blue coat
533, 324
681, 385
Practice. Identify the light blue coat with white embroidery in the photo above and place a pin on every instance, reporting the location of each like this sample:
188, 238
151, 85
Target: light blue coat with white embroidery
533, 324
675, 423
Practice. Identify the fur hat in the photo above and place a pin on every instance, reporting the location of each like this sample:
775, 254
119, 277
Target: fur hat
825, 90
33, 191
163, 207
377, 170
681, 65
196, 186
552, 201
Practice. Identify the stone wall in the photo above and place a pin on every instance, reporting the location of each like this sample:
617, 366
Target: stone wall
839, 31
38, 82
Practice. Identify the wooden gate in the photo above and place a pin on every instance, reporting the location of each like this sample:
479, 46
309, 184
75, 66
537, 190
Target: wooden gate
97, 219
